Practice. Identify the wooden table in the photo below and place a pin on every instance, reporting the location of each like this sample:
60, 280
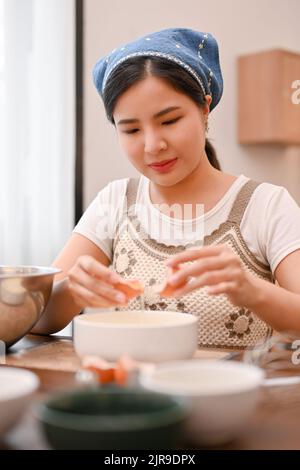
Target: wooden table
275, 424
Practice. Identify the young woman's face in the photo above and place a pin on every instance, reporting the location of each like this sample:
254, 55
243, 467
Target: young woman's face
161, 130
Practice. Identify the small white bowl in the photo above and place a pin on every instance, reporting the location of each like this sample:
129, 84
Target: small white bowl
222, 395
16, 388
150, 336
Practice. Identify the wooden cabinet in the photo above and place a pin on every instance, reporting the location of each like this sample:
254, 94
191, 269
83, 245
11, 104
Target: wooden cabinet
266, 111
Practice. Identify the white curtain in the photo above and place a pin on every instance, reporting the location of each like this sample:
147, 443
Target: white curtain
37, 130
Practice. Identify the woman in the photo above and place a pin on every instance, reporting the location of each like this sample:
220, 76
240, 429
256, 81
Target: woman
158, 92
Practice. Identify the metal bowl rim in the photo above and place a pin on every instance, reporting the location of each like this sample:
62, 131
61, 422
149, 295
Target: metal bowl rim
41, 271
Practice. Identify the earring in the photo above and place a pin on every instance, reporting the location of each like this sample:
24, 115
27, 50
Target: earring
206, 126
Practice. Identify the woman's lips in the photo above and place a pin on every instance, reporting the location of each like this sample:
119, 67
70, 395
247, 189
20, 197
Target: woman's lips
164, 166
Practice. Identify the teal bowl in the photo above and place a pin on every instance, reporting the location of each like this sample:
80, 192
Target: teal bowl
113, 419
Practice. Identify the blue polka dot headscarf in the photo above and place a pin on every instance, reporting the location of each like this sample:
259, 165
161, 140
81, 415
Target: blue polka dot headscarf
194, 51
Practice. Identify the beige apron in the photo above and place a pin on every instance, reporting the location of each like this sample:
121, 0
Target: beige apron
220, 324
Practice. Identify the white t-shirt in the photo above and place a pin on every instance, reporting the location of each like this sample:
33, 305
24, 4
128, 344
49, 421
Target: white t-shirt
270, 225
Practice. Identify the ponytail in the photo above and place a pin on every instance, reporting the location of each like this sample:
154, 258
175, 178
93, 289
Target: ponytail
212, 155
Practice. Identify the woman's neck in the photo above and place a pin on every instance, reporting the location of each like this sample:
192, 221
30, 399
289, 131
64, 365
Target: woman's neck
194, 188
205, 185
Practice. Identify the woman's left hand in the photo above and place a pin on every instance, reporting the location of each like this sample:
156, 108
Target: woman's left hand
216, 266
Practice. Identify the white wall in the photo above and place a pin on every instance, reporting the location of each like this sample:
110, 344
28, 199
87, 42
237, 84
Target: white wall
240, 26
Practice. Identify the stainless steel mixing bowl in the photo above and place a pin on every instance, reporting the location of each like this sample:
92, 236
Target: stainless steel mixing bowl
24, 293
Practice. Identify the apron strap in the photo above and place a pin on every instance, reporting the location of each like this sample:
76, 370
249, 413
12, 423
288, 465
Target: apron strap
241, 201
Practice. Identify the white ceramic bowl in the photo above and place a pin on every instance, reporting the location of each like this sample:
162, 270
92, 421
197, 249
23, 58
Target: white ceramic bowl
222, 395
150, 336
16, 389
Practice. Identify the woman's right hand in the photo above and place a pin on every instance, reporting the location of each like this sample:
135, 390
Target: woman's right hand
92, 284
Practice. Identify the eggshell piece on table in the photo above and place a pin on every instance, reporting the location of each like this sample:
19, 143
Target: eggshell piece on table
104, 370
121, 372
128, 368
123, 368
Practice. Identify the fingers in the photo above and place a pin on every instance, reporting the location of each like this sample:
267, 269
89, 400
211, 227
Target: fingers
85, 298
222, 288
213, 278
94, 268
197, 253
199, 267
92, 284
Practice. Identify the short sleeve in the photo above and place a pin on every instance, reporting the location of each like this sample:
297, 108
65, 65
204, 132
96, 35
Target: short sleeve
281, 227
98, 222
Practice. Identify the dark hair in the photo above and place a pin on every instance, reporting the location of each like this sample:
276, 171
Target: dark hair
136, 69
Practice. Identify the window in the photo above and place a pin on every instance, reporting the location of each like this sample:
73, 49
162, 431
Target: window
37, 129
1, 67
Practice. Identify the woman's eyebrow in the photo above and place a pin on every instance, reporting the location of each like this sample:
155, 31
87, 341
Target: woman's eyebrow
159, 114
